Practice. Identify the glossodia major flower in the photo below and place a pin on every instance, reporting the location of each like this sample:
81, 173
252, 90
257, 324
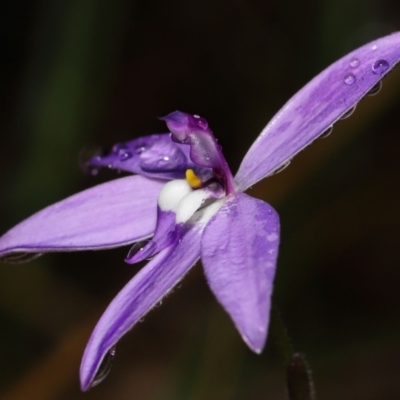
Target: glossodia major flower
186, 204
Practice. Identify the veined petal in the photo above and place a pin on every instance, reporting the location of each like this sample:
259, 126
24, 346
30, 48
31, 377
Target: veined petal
154, 156
318, 105
141, 294
113, 214
239, 252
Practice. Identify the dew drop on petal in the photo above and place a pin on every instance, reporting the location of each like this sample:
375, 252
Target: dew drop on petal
105, 367
354, 62
376, 89
19, 257
349, 78
281, 168
140, 149
125, 155
162, 157
348, 113
272, 237
201, 122
118, 147
327, 132
380, 66
89, 156
136, 248
374, 47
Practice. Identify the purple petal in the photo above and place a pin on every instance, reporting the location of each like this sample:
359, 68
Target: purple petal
239, 252
164, 235
318, 105
154, 156
141, 294
108, 215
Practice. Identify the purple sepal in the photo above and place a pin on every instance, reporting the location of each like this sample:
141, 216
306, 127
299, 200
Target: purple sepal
239, 251
138, 297
113, 214
182, 125
164, 236
318, 105
204, 149
154, 156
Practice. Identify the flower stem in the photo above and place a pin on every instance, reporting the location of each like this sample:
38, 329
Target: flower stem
300, 385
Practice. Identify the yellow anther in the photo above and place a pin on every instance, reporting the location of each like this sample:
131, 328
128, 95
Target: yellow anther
193, 180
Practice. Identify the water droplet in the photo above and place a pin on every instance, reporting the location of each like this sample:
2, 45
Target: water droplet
354, 62
163, 157
375, 89
89, 156
327, 132
111, 166
272, 237
201, 122
349, 78
140, 149
380, 66
374, 47
118, 147
105, 367
348, 113
125, 155
19, 257
281, 168
136, 248
207, 156
270, 212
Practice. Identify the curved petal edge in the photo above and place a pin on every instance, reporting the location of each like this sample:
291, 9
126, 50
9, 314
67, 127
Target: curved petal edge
317, 106
112, 214
239, 253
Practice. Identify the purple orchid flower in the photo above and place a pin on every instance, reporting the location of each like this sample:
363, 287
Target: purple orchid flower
185, 198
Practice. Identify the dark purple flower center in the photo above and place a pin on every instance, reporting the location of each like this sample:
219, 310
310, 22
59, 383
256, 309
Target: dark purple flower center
204, 149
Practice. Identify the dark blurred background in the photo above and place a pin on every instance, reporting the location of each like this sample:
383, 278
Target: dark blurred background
77, 74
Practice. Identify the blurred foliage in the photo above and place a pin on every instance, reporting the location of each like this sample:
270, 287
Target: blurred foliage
78, 73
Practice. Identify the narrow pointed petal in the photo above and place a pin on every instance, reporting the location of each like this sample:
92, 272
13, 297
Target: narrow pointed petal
154, 156
113, 214
141, 294
239, 253
163, 237
317, 106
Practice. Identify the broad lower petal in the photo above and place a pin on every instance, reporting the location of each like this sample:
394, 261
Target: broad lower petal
317, 106
141, 294
113, 214
239, 253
